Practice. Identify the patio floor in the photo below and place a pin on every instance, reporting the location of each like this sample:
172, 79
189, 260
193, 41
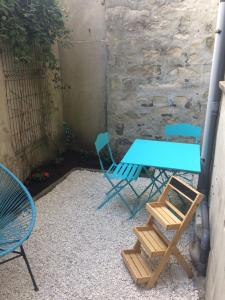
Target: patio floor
75, 250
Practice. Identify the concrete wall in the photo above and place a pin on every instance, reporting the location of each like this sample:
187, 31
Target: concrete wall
159, 61
22, 163
216, 266
84, 69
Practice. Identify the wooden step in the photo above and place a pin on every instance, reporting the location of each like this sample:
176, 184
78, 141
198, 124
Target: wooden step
163, 215
151, 241
139, 269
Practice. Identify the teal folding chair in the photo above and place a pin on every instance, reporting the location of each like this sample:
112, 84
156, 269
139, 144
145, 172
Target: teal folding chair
183, 130
123, 173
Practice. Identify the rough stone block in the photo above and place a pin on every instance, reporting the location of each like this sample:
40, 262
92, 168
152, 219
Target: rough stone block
209, 42
145, 70
159, 66
120, 129
181, 101
129, 84
160, 101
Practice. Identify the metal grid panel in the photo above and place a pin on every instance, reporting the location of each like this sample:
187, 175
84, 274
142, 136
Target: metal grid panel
27, 99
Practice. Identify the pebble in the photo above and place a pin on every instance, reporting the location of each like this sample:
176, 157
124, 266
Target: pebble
74, 250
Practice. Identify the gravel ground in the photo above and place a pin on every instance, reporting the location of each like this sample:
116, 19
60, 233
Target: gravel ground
75, 250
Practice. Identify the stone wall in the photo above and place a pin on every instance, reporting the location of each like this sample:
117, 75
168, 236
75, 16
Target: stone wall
159, 61
215, 289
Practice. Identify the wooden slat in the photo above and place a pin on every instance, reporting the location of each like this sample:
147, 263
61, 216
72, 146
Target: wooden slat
132, 268
151, 243
137, 261
162, 218
156, 204
171, 215
179, 192
179, 213
144, 240
164, 215
187, 185
157, 216
163, 196
161, 243
139, 270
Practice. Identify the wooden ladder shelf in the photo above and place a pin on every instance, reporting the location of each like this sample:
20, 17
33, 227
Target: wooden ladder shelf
151, 240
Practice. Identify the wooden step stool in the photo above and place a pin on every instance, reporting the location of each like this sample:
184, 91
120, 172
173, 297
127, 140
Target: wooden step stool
151, 239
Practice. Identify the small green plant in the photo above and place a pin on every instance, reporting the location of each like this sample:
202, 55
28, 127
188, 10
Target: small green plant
29, 24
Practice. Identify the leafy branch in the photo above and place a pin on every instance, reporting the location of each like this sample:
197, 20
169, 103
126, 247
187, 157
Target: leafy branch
25, 24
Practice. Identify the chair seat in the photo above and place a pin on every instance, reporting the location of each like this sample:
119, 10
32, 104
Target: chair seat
123, 171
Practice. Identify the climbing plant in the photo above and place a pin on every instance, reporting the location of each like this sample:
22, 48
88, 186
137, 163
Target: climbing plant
25, 24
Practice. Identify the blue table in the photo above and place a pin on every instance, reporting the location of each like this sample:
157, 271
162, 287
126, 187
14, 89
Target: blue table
164, 156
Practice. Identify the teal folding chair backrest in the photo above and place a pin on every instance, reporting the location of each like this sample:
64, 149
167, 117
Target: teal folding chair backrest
184, 130
101, 143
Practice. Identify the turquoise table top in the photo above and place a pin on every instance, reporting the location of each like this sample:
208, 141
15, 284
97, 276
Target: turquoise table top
164, 155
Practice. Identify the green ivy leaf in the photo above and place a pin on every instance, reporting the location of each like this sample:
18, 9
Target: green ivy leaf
25, 24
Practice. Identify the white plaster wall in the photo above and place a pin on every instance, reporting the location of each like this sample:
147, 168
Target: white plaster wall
84, 69
216, 267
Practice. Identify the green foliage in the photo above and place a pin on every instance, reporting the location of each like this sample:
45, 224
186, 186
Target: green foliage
28, 23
